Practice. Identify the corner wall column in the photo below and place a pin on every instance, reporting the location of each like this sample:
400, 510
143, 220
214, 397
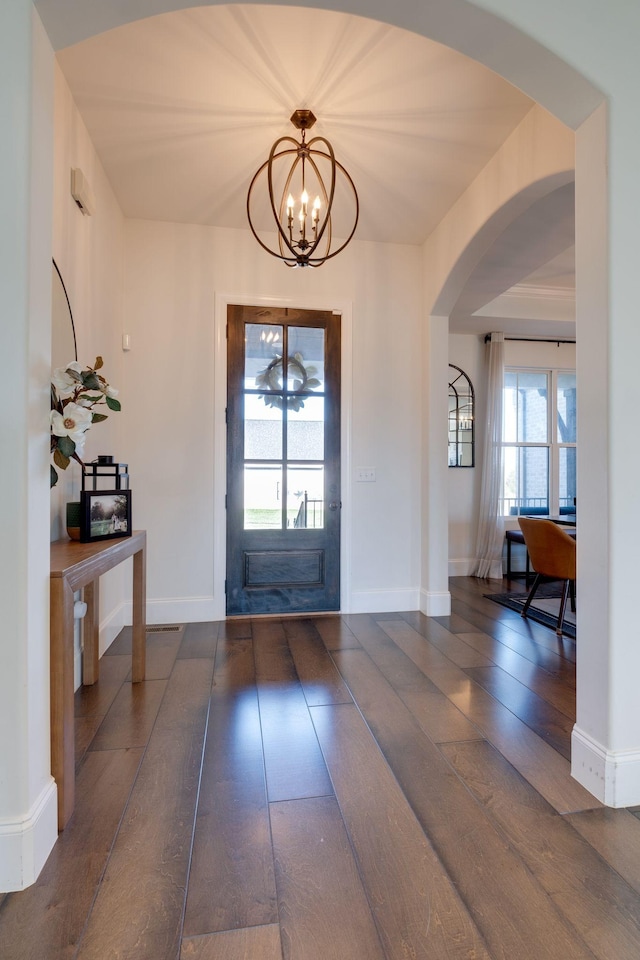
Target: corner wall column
28, 809
605, 756
435, 599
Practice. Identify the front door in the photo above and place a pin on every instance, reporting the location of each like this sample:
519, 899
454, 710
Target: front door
283, 460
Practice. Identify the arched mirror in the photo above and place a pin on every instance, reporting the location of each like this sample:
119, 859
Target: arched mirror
63, 333
461, 419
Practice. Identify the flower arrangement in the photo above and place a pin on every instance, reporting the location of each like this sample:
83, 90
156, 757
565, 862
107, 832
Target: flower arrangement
75, 392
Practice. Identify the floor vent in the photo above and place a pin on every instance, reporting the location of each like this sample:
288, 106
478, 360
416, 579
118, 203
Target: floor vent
166, 628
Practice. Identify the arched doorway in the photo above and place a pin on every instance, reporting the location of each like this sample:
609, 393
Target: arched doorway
460, 24
566, 92
611, 735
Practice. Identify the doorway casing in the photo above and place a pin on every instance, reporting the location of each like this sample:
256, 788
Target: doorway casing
219, 346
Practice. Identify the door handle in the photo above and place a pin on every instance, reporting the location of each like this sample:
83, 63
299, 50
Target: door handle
335, 505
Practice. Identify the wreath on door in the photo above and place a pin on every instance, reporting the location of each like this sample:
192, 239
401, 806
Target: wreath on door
272, 377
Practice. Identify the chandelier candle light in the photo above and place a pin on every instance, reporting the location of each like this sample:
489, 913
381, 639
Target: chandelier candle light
304, 229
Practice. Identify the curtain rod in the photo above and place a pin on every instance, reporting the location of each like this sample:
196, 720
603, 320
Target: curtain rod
557, 340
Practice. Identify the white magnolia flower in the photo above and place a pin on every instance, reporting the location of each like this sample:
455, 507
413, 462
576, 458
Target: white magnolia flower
79, 389
63, 382
72, 422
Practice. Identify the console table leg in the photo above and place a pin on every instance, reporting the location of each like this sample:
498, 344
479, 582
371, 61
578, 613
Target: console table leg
62, 723
91, 634
138, 653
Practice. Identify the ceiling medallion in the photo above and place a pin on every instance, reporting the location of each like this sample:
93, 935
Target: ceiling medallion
295, 172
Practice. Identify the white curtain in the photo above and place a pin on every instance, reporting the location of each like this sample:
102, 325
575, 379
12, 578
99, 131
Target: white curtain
490, 534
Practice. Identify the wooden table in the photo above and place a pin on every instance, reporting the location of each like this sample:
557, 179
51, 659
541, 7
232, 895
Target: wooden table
562, 519
76, 566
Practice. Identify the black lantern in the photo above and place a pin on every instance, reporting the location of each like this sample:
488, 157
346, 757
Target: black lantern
104, 474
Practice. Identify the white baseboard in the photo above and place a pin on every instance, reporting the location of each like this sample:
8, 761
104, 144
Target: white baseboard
202, 609
77, 668
174, 610
180, 610
26, 843
462, 568
382, 601
111, 626
435, 604
612, 777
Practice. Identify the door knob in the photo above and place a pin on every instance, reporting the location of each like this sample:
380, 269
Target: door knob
335, 505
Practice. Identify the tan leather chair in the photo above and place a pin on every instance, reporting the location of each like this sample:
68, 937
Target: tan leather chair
553, 555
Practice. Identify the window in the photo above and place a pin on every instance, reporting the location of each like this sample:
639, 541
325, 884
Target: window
539, 442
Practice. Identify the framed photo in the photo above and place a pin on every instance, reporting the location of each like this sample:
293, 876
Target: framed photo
105, 514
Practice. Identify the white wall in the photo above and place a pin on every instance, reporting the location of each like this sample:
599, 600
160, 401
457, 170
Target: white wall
173, 274
89, 254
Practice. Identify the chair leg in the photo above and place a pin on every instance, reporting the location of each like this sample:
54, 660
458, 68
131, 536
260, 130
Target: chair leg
563, 603
572, 595
536, 584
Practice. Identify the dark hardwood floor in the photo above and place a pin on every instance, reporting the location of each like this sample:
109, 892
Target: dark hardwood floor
364, 787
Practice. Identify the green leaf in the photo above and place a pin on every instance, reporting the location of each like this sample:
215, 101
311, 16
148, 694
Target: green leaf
312, 382
67, 448
97, 417
74, 374
53, 476
98, 364
113, 404
60, 459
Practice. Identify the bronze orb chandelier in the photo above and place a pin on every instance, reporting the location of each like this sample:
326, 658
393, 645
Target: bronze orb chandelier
295, 172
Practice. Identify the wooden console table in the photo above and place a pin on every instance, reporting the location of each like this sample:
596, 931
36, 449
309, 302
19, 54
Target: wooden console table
76, 566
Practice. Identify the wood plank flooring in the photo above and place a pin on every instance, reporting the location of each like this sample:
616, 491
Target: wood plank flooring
358, 787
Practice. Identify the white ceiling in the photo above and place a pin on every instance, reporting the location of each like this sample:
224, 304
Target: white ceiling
527, 278
183, 107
